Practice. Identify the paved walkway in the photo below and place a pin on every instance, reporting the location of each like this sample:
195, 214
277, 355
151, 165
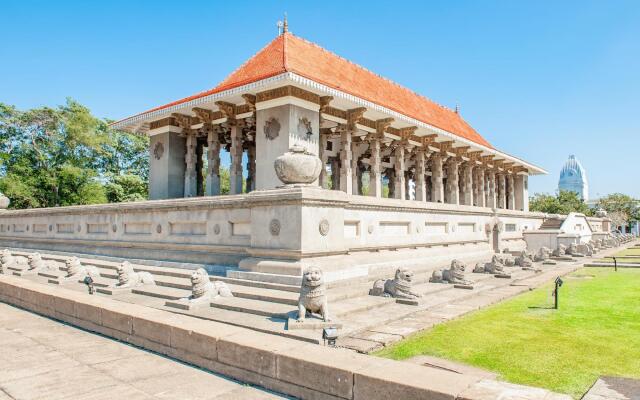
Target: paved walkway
45, 359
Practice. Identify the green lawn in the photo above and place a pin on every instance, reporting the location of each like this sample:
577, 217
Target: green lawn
595, 332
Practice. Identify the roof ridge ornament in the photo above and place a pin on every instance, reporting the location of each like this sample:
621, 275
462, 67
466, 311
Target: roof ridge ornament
283, 26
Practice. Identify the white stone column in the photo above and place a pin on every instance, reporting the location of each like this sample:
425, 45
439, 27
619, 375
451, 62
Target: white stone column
511, 198
467, 185
251, 168
437, 188
399, 185
493, 195
190, 178
481, 199
421, 190
522, 192
355, 185
213, 164
235, 173
346, 171
375, 175
502, 194
324, 138
453, 187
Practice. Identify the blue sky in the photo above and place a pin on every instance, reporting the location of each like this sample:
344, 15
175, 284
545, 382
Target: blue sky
539, 79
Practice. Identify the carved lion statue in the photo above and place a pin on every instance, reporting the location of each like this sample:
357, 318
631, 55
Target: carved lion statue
128, 278
75, 270
8, 260
560, 251
572, 249
398, 287
36, 263
313, 298
454, 275
494, 267
542, 254
202, 289
524, 260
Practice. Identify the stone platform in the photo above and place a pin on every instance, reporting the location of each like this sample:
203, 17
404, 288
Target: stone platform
288, 366
366, 322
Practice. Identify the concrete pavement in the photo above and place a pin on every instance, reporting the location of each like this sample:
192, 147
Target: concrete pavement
45, 359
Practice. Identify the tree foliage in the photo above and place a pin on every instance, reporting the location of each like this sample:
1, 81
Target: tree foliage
622, 209
564, 202
66, 156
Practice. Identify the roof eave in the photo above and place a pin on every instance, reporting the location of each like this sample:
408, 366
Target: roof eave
134, 123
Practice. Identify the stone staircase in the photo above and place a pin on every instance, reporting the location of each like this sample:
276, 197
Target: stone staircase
264, 302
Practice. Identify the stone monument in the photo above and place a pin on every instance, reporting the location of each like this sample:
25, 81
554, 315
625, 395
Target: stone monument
454, 275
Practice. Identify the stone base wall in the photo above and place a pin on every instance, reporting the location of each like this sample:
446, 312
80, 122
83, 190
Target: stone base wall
278, 231
287, 366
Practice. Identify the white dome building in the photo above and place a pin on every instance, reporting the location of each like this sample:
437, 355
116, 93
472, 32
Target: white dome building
573, 177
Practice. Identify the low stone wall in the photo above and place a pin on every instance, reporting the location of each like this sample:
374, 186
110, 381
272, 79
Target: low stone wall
299, 369
276, 231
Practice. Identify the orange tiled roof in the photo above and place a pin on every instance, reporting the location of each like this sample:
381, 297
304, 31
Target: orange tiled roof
289, 53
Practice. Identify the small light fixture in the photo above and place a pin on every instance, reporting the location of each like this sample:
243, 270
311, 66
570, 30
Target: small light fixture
558, 283
330, 335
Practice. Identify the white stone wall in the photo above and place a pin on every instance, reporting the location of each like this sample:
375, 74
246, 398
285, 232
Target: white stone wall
277, 231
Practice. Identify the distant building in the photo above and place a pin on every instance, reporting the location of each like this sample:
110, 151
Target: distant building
573, 177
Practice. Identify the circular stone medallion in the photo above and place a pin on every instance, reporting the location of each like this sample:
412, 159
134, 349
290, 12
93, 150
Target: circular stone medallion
323, 227
216, 229
274, 227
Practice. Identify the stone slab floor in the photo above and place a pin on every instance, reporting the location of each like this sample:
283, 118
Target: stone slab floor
45, 359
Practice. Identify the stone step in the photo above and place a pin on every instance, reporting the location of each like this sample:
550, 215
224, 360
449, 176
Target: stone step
277, 310
248, 292
256, 307
265, 277
161, 292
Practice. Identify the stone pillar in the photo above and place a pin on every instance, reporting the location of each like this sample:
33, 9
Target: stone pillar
399, 184
502, 194
375, 175
437, 188
511, 199
453, 189
213, 164
335, 173
166, 165
467, 185
199, 166
235, 172
324, 138
278, 129
251, 167
481, 199
407, 185
355, 173
493, 195
391, 181
522, 192
190, 179
346, 172
421, 190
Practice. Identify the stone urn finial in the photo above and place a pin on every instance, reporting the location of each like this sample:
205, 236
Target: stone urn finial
4, 201
298, 167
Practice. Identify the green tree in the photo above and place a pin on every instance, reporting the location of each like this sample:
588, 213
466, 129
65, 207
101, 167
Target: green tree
621, 208
64, 156
564, 202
